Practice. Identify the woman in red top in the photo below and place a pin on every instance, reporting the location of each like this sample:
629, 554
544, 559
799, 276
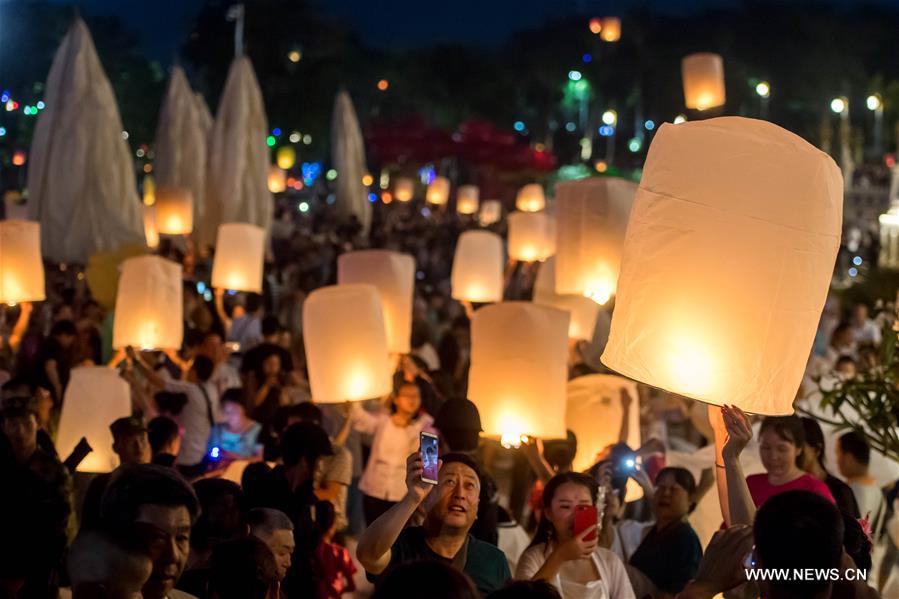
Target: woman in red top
781, 439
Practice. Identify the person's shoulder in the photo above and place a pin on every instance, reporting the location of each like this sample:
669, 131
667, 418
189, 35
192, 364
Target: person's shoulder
176, 594
484, 551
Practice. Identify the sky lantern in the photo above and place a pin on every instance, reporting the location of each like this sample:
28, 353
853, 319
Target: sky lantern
889, 238
582, 310
519, 370
95, 397
703, 75
148, 307
611, 29
151, 231
21, 265
286, 157
591, 220
491, 212
467, 199
239, 258
393, 275
530, 198
277, 179
438, 191
403, 189
478, 267
174, 210
346, 344
532, 236
725, 272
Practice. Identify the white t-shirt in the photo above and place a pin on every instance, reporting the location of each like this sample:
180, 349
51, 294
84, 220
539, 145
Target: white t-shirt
868, 332
224, 377
194, 420
871, 504
613, 582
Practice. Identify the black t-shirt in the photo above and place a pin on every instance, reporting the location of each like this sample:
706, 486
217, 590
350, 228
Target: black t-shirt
485, 564
843, 495
669, 557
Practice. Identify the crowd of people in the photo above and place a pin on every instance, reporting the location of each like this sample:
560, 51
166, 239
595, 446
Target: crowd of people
233, 482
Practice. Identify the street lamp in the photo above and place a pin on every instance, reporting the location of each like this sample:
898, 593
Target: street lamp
839, 105
610, 117
763, 89
875, 104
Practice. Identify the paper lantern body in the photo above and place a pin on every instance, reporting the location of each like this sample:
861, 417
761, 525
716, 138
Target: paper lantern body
703, 75
148, 308
346, 344
438, 191
889, 238
611, 29
594, 412
518, 369
725, 272
591, 220
403, 189
151, 231
277, 179
174, 210
532, 236
21, 265
95, 397
582, 311
467, 199
530, 198
491, 212
286, 157
239, 257
478, 267
393, 275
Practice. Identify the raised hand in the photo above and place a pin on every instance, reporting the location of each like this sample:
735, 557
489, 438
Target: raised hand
739, 431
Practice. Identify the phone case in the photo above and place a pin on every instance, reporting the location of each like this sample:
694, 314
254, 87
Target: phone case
585, 516
429, 457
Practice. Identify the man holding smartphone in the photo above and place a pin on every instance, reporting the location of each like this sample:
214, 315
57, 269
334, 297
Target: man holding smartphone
451, 506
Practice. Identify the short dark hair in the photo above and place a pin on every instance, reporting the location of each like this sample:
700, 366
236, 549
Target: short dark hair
64, 327
161, 431
684, 478
235, 395
171, 402
193, 338
219, 520
441, 580
462, 458
243, 569
306, 411
204, 367
799, 529
134, 485
814, 437
857, 446
526, 589
254, 303
270, 325
304, 440
788, 428
263, 520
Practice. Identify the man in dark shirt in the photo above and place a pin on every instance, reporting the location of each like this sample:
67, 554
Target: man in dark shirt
451, 508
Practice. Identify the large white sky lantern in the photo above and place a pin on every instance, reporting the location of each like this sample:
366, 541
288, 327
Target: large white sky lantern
594, 414
95, 397
393, 274
591, 220
438, 191
532, 236
346, 344
174, 210
703, 75
467, 199
519, 370
239, 258
582, 310
21, 266
478, 267
530, 198
727, 263
148, 306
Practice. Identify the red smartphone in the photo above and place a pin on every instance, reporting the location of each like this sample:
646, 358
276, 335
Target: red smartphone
585, 516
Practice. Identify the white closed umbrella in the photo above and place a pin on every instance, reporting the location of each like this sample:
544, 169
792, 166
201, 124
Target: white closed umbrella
237, 167
348, 157
181, 141
81, 180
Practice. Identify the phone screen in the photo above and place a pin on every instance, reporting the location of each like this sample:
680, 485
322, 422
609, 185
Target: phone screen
429, 458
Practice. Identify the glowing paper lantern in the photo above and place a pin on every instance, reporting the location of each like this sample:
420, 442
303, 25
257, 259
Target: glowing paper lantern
594, 412
346, 344
530, 198
149, 197
725, 273
393, 275
532, 236
286, 157
467, 199
21, 266
95, 398
239, 258
703, 75
491, 212
518, 370
403, 189
438, 191
889, 238
174, 210
611, 29
591, 220
148, 308
151, 232
277, 179
582, 310
478, 267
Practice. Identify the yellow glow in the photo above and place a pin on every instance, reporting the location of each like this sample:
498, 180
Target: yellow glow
610, 117
357, 385
838, 105
466, 206
763, 89
277, 179
611, 29
294, 56
403, 189
601, 166
873, 102
600, 292
286, 157
149, 191
691, 366
367, 179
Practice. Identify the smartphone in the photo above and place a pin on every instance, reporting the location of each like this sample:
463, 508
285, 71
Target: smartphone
429, 457
585, 516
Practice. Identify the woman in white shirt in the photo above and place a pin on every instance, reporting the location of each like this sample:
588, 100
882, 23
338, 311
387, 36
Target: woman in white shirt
396, 435
578, 567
